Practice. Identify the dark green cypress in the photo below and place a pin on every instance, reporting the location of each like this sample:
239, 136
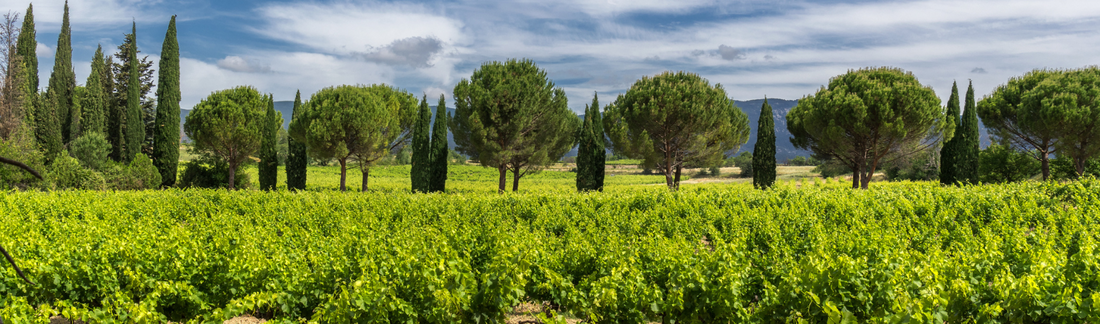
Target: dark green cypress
590, 149
949, 153
763, 154
584, 150
166, 130
269, 155
296, 160
135, 126
62, 81
966, 166
421, 149
94, 105
598, 159
26, 47
437, 181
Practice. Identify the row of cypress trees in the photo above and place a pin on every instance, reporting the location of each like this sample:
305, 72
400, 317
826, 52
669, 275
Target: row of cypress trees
429, 152
591, 150
65, 112
959, 155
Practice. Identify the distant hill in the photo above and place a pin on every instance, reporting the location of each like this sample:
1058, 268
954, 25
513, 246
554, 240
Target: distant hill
780, 107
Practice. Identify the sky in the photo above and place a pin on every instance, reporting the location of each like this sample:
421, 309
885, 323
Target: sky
779, 48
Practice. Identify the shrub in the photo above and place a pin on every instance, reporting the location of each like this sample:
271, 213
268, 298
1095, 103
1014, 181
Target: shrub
67, 173
1061, 168
139, 174
20, 146
744, 162
208, 172
91, 149
999, 163
918, 167
832, 168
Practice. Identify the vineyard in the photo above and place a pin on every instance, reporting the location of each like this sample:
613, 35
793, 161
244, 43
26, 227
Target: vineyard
898, 252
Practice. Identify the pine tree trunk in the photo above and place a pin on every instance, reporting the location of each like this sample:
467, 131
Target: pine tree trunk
855, 177
232, 176
515, 180
343, 174
366, 173
676, 184
503, 178
1045, 160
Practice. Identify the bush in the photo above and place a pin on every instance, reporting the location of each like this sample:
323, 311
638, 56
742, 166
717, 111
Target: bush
210, 172
1061, 168
20, 146
91, 149
67, 173
918, 167
832, 168
140, 174
744, 162
803, 161
999, 163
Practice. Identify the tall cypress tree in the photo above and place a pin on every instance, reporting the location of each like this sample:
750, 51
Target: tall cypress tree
135, 126
166, 132
763, 154
966, 166
94, 103
269, 155
421, 149
950, 152
26, 47
296, 160
590, 149
437, 181
63, 80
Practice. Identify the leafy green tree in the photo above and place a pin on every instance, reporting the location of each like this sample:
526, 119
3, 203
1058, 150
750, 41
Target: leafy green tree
296, 161
673, 119
421, 149
63, 79
969, 146
48, 127
1019, 114
269, 154
437, 181
26, 48
94, 102
510, 116
591, 153
228, 125
867, 116
166, 132
763, 154
355, 123
1076, 94
949, 154
1000, 163
135, 125
119, 87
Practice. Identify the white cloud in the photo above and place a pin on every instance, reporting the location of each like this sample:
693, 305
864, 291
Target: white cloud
43, 50
412, 51
91, 14
240, 64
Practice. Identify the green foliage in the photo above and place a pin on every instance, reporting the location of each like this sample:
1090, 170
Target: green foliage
421, 149
437, 181
166, 131
803, 161
210, 172
135, 125
1019, 113
67, 173
673, 119
269, 154
121, 114
763, 154
832, 168
91, 149
852, 121
917, 167
282, 146
358, 123
47, 128
63, 80
1000, 164
614, 257
1076, 95
591, 153
970, 141
296, 160
743, 162
509, 116
95, 99
140, 174
949, 153
20, 146
26, 47
228, 125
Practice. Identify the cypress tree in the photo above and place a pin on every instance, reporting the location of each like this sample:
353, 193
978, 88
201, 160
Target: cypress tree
763, 154
949, 153
166, 131
269, 155
296, 160
135, 126
26, 47
437, 181
590, 149
966, 167
598, 158
94, 104
421, 149
63, 80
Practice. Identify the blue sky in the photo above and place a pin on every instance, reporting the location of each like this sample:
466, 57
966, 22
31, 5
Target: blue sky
782, 49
